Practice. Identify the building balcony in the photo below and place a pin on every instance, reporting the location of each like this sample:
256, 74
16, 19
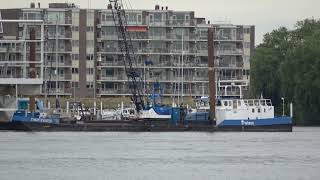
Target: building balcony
108, 37
181, 23
57, 91
228, 38
110, 91
110, 64
60, 36
163, 51
229, 65
60, 50
155, 64
54, 64
113, 78
230, 78
229, 52
67, 21
53, 77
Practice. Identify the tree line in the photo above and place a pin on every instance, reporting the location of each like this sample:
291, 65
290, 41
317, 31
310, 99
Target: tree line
287, 64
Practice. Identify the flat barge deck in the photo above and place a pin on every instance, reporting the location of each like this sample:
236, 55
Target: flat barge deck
133, 126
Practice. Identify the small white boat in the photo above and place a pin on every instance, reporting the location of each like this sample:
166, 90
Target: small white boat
109, 114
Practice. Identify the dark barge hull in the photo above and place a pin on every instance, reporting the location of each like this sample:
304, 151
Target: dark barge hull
264, 128
135, 127
100, 127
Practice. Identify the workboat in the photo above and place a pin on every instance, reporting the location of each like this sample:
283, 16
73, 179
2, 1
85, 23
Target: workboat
245, 115
38, 116
124, 113
156, 111
154, 108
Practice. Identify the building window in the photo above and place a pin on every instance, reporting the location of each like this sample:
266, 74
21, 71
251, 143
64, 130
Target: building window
103, 17
12, 57
187, 19
75, 43
102, 45
1, 27
90, 43
90, 85
89, 28
174, 19
109, 72
151, 18
247, 45
75, 56
246, 30
61, 59
89, 70
90, 57
75, 28
139, 18
75, 84
75, 70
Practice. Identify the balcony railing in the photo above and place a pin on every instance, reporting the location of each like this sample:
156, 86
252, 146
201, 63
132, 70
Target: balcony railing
52, 91
229, 51
113, 78
107, 91
53, 77
53, 63
65, 35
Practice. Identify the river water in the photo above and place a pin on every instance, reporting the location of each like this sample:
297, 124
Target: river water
160, 156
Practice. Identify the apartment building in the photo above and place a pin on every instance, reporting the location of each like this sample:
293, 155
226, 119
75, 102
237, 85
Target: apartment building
233, 47
171, 48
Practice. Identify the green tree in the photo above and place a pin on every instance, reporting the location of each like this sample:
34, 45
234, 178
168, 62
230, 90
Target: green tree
287, 64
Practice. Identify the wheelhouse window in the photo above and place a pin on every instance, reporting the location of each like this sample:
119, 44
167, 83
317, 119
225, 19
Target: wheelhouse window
225, 103
269, 102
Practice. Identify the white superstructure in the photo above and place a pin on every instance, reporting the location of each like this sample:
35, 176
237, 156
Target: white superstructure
243, 109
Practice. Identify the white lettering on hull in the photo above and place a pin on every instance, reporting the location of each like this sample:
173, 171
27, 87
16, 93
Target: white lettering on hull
247, 123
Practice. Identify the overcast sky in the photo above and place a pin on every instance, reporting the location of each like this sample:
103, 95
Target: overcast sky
266, 15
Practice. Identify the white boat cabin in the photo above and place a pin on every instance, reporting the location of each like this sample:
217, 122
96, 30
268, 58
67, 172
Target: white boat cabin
244, 109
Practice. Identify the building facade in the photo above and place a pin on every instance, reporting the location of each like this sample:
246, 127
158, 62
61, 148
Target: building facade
171, 48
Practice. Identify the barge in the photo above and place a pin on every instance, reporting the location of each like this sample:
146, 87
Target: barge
231, 115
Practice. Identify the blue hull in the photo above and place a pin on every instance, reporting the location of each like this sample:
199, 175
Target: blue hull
256, 122
20, 116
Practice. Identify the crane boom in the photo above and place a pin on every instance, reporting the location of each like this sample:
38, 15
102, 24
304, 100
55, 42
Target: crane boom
125, 46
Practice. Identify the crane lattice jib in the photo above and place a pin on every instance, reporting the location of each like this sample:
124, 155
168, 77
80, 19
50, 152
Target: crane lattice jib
125, 46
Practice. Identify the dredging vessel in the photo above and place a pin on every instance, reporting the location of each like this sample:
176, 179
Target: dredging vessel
222, 114
231, 115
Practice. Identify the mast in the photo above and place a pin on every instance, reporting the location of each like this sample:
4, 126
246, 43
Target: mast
57, 61
211, 74
32, 56
182, 64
